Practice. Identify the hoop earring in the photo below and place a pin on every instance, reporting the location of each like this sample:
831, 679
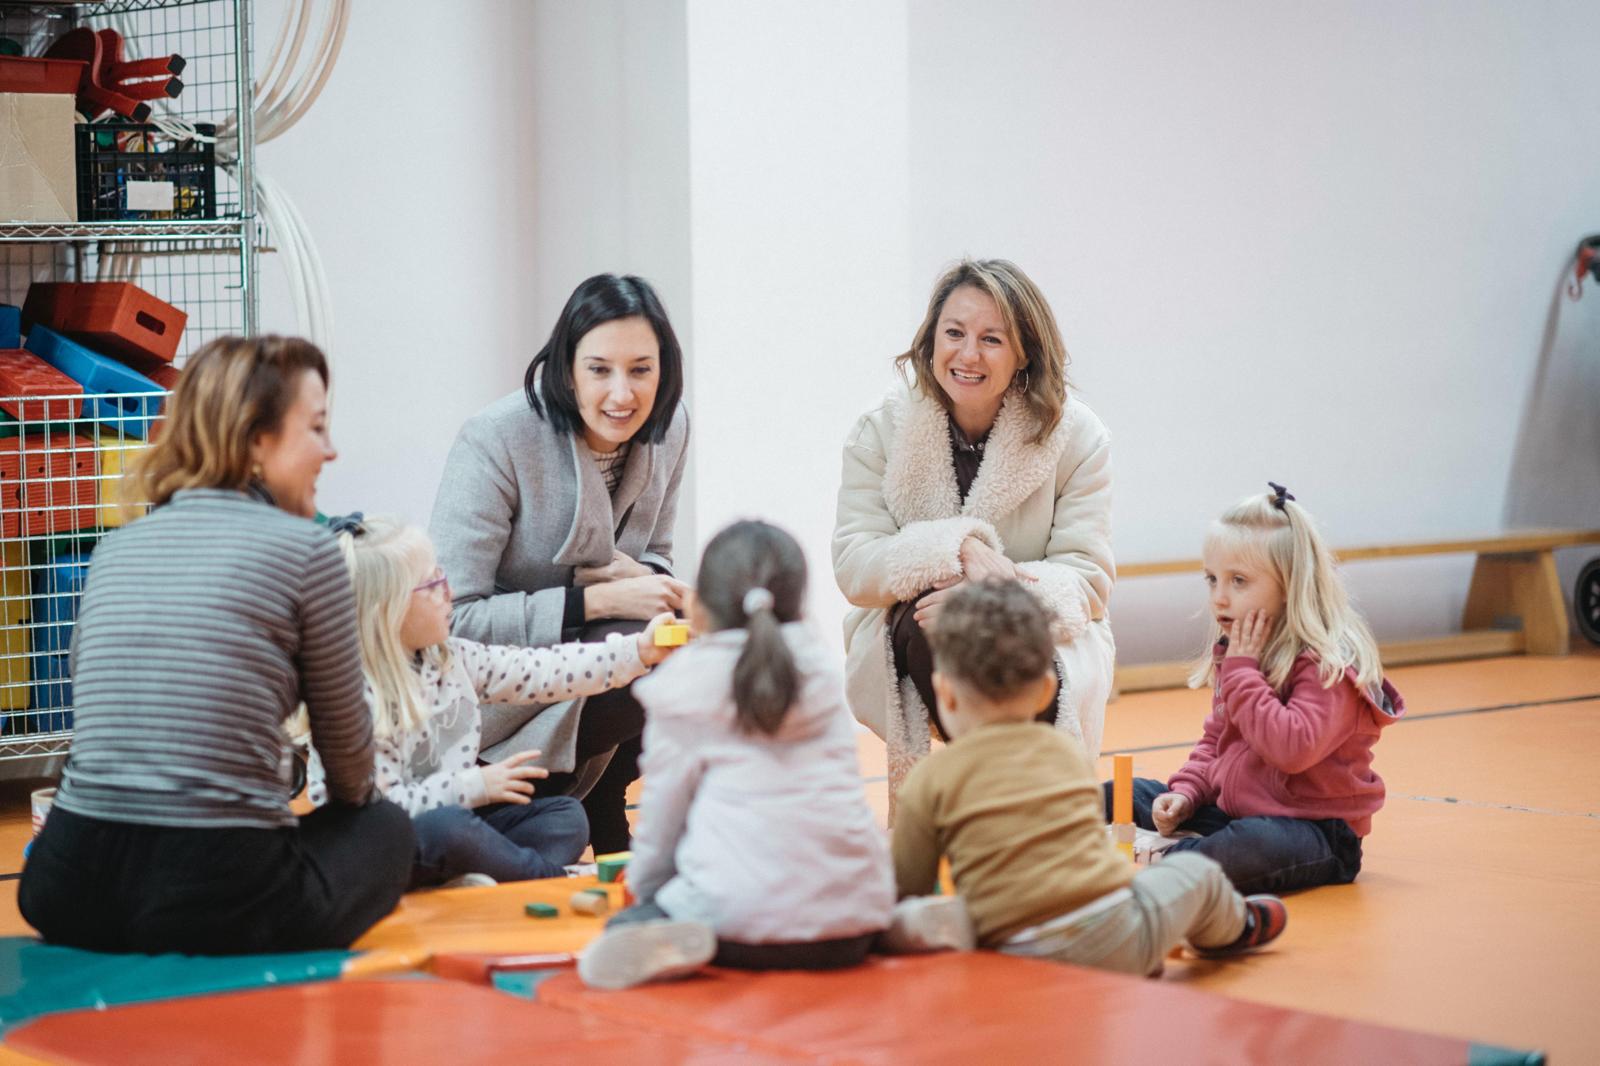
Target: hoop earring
1027, 379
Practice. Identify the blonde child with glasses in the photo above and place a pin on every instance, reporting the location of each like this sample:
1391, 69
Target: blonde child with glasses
474, 824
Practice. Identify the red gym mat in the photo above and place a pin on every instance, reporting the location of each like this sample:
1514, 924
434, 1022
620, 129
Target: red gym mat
376, 1022
983, 1007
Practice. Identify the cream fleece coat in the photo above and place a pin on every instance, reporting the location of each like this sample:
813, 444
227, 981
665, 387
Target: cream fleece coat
899, 530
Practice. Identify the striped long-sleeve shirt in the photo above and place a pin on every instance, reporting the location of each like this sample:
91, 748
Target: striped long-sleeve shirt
202, 626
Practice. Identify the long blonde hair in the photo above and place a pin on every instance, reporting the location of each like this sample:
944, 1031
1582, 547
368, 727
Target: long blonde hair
1030, 327
1280, 537
387, 560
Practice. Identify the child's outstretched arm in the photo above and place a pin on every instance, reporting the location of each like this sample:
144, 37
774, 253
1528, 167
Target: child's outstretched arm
504, 674
915, 844
671, 771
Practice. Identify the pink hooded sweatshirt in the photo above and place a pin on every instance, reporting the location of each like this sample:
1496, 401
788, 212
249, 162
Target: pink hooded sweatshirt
1308, 755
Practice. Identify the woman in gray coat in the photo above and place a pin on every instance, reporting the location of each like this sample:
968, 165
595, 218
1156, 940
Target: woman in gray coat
554, 522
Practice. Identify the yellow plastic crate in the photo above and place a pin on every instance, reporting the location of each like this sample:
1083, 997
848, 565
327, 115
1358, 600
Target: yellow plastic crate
15, 583
114, 454
16, 667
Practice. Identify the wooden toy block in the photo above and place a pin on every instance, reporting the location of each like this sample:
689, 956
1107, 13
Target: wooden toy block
133, 401
24, 375
10, 326
593, 901
122, 320
541, 910
671, 635
610, 867
1122, 803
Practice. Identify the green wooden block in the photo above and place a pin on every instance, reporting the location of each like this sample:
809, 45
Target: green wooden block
541, 910
610, 867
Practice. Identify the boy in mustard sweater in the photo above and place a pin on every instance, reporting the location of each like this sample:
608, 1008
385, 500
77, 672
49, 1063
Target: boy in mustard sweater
1017, 808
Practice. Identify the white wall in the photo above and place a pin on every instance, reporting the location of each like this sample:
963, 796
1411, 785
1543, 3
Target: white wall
1316, 244
798, 159
1308, 243
455, 212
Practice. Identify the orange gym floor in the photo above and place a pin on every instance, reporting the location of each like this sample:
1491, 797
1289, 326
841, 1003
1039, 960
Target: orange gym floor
1477, 914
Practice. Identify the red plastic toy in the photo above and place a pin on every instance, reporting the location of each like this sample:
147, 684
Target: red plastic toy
23, 374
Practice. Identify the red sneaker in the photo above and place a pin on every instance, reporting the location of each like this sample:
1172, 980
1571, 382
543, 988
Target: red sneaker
1264, 920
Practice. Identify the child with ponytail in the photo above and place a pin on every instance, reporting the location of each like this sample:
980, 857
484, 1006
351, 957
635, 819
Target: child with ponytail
755, 845
1280, 787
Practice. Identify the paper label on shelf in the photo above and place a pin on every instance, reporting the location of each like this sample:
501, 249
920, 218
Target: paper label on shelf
150, 195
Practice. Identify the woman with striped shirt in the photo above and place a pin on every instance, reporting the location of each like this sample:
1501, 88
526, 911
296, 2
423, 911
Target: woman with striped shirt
203, 625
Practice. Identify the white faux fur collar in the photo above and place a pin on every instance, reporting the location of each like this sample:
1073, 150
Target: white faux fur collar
919, 479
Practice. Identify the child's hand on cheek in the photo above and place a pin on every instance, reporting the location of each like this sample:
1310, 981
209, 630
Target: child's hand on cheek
1247, 637
650, 653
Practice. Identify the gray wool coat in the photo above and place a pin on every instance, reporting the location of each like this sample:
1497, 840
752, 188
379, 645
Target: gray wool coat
521, 506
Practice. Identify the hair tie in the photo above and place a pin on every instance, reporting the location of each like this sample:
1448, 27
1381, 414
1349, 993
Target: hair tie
1280, 494
352, 523
757, 599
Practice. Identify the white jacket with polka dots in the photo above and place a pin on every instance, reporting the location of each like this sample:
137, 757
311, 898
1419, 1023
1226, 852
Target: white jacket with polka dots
436, 765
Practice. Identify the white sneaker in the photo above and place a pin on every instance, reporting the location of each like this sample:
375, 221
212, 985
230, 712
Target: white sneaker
635, 952
930, 923
471, 881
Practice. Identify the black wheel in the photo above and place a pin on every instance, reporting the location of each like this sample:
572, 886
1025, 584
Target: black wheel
1586, 601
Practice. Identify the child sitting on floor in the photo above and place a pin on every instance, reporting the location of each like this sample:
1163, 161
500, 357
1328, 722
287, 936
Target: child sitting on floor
1015, 806
1280, 787
755, 843
474, 824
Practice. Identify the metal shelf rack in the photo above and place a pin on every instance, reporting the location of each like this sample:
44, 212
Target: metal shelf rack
64, 493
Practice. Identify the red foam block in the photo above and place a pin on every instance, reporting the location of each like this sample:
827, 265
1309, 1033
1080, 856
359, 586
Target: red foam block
23, 374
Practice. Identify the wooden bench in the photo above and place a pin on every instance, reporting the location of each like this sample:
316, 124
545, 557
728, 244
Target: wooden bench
1514, 606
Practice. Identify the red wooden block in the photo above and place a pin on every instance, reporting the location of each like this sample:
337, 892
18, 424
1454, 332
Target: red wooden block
123, 320
24, 374
47, 484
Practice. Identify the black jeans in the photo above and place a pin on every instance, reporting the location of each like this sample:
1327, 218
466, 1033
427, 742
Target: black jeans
109, 886
611, 720
835, 954
1264, 853
913, 658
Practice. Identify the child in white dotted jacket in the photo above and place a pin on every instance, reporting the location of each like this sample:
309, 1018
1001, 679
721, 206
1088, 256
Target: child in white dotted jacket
425, 687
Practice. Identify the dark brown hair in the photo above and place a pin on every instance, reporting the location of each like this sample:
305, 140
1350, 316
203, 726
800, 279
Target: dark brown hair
995, 637
755, 555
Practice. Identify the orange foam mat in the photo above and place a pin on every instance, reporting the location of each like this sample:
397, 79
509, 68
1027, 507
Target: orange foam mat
368, 1022
982, 1007
483, 921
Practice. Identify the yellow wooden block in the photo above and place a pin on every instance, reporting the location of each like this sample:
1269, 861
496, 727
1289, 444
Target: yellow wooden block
671, 635
114, 454
15, 585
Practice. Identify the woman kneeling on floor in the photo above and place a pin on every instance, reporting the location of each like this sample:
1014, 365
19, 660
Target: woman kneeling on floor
203, 625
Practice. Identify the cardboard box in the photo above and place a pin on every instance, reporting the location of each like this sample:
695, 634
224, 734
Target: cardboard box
38, 159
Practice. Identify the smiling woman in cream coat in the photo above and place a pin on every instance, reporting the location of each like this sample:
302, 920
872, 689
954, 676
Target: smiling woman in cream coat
982, 467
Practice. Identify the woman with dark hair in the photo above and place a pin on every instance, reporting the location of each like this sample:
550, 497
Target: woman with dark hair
202, 627
554, 522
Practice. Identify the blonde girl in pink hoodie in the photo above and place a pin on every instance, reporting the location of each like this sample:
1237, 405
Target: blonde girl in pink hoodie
1280, 789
